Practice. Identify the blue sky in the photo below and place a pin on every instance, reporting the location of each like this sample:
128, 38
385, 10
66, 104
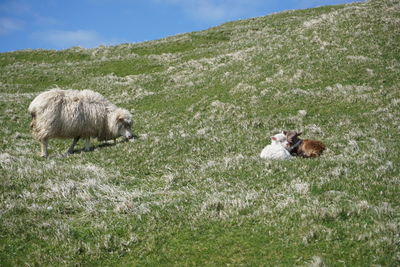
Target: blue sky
60, 24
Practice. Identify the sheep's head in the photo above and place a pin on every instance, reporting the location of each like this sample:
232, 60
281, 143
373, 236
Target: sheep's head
280, 138
124, 124
292, 137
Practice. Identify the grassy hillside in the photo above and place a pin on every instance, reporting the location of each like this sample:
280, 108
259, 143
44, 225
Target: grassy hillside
192, 190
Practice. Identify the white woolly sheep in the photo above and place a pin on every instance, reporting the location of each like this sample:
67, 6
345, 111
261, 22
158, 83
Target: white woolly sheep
77, 114
277, 148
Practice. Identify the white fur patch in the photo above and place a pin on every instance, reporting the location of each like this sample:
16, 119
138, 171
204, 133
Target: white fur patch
276, 149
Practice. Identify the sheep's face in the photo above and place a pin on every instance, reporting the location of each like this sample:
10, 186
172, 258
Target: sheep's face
124, 127
292, 137
280, 139
122, 123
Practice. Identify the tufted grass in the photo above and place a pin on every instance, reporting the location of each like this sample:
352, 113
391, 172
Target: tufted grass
191, 189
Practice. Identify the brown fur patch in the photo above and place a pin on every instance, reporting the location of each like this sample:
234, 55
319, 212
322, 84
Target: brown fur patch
307, 148
311, 148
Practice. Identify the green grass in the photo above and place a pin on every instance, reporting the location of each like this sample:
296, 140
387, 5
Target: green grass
124, 68
192, 190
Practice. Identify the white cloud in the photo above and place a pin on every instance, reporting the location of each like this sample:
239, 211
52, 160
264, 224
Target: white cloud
223, 10
64, 39
45, 20
214, 10
23, 11
8, 25
15, 7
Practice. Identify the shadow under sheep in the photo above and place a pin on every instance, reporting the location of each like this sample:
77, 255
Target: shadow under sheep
95, 147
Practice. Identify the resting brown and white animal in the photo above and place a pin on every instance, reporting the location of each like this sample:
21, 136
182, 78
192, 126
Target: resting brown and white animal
304, 148
77, 114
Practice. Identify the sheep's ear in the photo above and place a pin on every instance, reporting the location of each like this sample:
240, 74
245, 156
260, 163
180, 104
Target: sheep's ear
300, 133
273, 138
120, 119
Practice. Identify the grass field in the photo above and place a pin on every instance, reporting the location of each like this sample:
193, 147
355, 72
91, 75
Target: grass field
191, 190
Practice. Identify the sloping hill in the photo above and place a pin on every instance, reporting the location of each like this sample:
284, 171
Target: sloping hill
191, 190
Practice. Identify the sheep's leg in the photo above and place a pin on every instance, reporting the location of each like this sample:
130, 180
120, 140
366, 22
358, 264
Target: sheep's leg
43, 147
87, 145
72, 146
